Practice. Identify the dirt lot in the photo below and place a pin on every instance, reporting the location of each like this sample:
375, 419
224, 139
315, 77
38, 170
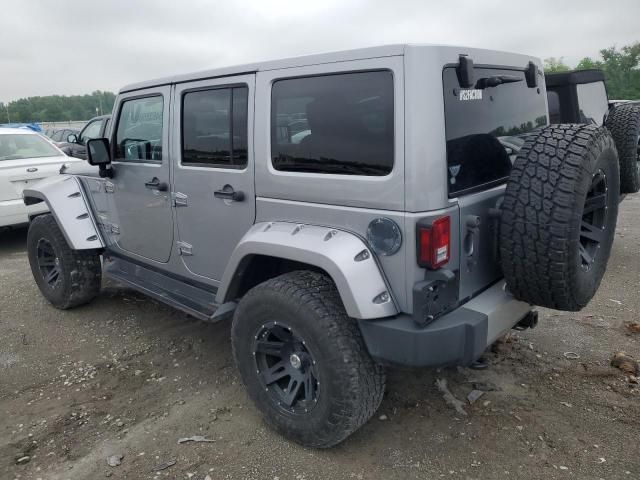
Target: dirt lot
128, 376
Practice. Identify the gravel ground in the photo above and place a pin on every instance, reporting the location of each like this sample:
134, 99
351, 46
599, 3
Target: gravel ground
127, 377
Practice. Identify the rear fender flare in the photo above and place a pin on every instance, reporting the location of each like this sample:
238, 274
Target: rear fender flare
66, 200
342, 255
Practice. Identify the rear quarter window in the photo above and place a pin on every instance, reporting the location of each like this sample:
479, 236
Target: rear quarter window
334, 124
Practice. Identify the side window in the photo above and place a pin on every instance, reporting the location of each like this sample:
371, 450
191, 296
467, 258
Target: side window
214, 128
339, 124
106, 126
553, 99
593, 102
139, 130
90, 131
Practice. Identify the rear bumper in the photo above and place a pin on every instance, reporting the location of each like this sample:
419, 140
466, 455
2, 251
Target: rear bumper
15, 212
457, 338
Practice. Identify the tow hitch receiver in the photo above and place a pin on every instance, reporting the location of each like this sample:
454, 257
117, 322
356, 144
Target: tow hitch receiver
529, 321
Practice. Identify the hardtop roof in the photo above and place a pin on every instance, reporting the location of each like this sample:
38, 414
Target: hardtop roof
574, 77
448, 52
340, 56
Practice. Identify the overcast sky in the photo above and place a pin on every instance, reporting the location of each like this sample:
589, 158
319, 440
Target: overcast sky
77, 46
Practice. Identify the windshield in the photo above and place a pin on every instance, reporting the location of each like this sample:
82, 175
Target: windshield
19, 146
485, 126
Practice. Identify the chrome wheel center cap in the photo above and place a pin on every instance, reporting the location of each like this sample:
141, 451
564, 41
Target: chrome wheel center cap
295, 360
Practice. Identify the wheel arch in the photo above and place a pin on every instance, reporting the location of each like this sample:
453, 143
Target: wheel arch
68, 204
272, 248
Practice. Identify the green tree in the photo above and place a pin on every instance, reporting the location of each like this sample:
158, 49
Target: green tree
622, 71
589, 64
57, 108
554, 65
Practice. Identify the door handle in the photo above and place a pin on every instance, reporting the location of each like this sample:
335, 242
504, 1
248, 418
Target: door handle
228, 193
156, 184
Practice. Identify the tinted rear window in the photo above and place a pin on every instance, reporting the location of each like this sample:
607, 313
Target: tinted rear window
485, 128
340, 124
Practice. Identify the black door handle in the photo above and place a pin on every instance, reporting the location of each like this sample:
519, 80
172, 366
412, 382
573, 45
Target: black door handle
156, 184
228, 193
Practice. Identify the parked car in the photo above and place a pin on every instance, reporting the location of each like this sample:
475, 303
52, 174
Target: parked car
31, 126
75, 144
60, 136
25, 158
580, 96
401, 204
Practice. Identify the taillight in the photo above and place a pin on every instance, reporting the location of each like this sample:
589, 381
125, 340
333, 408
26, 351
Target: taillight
434, 243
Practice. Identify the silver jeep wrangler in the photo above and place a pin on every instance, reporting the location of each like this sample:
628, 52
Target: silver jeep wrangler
402, 205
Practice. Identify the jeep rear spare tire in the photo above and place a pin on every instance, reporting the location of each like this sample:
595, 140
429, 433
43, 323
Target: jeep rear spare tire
303, 360
624, 124
559, 216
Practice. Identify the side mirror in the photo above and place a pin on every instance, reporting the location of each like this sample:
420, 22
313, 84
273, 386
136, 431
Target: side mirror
72, 138
99, 154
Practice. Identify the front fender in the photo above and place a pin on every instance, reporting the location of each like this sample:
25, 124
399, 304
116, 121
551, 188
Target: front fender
344, 256
66, 200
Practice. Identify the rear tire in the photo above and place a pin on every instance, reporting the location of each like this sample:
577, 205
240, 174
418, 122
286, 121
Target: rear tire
624, 124
67, 278
292, 334
559, 216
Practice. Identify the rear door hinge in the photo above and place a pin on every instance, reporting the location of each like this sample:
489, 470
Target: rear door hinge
179, 199
115, 229
109, 187
185, 249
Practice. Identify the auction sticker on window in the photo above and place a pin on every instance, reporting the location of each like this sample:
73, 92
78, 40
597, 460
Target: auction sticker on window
473, 94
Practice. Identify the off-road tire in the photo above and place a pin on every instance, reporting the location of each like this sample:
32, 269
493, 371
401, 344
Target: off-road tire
80, 270
624, 124
542, 226
351, 384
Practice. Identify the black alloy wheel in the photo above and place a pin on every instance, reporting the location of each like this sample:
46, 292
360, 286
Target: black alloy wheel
48, 263
66, 277
286, 368
303, 360
594, 220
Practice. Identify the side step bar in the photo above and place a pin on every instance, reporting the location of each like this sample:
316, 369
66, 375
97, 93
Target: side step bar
197, 302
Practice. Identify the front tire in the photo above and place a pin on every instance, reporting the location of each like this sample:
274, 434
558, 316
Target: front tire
303, 360
67, 278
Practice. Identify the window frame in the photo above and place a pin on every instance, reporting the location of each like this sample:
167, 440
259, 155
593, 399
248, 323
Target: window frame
216, 166
81, 140
272, 167
116, 125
